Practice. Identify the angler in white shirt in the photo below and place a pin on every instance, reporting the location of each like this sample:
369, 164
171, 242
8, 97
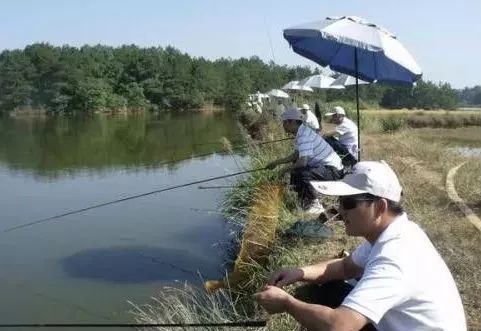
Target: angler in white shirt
312, 159
404, 284
344, 137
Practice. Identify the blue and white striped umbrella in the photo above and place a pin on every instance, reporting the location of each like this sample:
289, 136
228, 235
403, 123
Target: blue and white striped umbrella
337, 41
356, 47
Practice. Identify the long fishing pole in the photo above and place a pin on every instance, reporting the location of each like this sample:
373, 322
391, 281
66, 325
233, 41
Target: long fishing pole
247, 324
233, 148
205, 143
77, 211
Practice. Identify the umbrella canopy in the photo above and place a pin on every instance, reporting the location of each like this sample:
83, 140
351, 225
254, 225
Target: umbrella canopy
278, 94
346, 80
304, 88
319, 82
294, 85
354, 46
289, 85
336, 41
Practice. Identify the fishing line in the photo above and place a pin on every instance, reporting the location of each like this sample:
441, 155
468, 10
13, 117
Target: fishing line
172, 265
77, 211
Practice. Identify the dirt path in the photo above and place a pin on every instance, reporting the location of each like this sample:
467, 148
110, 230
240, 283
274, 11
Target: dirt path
435, 179
432, 178
453, 195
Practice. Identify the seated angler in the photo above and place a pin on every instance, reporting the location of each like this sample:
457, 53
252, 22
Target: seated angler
403, 282
312, 159
344, 137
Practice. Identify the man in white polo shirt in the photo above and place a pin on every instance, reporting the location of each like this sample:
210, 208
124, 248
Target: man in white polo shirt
344, 137
312, 159
403, 284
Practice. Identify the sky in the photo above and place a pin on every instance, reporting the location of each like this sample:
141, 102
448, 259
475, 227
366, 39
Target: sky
444, 36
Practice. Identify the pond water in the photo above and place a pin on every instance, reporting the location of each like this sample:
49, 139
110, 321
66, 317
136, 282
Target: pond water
467, 151
84, 267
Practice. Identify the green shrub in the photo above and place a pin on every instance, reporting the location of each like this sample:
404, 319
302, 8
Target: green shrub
391, 123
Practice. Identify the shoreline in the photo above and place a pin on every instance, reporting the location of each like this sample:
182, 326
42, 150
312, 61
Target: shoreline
422, 168
415, 162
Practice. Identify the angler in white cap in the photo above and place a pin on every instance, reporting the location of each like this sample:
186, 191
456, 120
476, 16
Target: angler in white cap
311, 119
344, 137
312, 159
403, 283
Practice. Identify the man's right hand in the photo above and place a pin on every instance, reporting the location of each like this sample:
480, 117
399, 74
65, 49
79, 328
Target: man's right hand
285, 277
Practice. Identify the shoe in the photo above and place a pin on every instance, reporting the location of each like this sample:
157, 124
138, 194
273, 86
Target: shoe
323, 218
315, 208
334, 214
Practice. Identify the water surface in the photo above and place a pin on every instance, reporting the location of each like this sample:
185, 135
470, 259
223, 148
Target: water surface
84, 267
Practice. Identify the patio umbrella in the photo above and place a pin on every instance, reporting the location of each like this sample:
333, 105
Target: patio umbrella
289, 85
294, 85
346, 80
320, 82
302, 88
278, 94
354, 46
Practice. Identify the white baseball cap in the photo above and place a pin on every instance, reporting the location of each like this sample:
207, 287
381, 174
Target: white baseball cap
292, 114
376, 178
337, 110
305, 106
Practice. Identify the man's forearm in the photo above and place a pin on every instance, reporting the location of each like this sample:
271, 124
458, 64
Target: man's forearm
330, 134
318, 273
287, 159
336, 269
312, 317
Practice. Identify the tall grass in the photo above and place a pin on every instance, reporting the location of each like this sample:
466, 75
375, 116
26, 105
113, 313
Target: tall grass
188, 304
258, 235
391, 124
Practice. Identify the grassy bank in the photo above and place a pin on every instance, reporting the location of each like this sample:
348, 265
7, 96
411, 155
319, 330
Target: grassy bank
394, 120
420, 159
389, 120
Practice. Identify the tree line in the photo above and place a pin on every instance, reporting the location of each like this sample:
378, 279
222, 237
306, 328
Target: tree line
129, 78
470, 96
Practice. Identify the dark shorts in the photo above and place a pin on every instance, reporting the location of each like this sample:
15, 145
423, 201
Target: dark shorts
330, 294
348, 160
301, 177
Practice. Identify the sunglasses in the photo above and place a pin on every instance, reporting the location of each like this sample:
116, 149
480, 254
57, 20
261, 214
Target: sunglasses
347, 203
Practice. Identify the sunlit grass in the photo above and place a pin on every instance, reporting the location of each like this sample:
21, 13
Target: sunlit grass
421, 167
188, 304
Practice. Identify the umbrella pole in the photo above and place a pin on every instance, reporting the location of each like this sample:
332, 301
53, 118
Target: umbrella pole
357, 108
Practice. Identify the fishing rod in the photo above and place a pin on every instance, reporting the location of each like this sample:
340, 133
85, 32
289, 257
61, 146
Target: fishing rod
247, 324
205, 143
216, 187
77, 211
233, 148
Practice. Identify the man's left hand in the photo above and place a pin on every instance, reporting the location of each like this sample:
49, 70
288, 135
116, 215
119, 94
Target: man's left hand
273, 299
